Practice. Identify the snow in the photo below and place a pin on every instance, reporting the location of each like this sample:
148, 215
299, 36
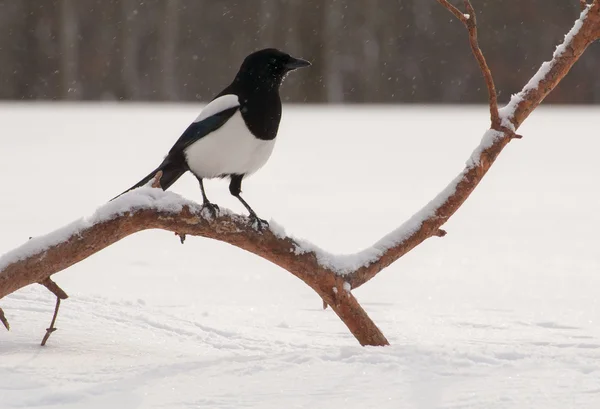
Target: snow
501, 313
507, 112
343, 264
144, 197
277, 229
561, 48
489, 138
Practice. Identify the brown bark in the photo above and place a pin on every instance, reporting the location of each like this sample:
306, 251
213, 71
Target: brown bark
470, 21
331, 286
232, 229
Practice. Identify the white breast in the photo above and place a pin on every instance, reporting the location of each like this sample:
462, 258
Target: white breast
231, 149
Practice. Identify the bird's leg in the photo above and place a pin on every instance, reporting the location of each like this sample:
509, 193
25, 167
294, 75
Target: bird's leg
235, 188
260, 223
212, 208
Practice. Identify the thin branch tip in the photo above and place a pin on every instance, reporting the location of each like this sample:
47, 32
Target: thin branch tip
470, 9
440, 232
4, 320
470, 22
510, 133
60, 295
52, 328
583, 4
454, 10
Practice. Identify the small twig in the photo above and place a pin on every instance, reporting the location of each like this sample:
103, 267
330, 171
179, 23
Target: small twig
54, 288
470, 23
454, 11
60, 295
52, 328
182, 237
5, 321
511, 134
440, 233
324, 304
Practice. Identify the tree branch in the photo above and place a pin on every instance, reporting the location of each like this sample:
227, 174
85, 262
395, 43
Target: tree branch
457, 13
470, 22
330, 276
149, 208
4, 320
585, 31
60, 295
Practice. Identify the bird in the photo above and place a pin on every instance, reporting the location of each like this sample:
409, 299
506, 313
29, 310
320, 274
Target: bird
234, 134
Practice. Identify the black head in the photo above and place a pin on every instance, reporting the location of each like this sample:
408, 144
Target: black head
268, 67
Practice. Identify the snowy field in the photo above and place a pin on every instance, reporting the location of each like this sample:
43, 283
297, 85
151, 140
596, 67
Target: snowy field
503, 312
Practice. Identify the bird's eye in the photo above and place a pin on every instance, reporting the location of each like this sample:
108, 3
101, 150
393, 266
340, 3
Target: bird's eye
272, 61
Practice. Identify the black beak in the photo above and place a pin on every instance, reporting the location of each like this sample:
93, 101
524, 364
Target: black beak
295, 63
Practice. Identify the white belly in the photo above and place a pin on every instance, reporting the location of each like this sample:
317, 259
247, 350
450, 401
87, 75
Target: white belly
231, 149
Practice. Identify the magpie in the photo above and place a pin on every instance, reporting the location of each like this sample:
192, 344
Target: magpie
234, 135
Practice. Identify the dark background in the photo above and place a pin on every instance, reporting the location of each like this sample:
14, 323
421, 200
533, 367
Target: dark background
362, 50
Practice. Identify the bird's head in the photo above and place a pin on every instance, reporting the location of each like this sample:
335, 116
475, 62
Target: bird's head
268, 67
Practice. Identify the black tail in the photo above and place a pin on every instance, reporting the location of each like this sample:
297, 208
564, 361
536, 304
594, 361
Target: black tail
170, 173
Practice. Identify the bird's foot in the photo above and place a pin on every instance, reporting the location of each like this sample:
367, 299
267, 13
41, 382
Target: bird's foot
212, 208
258, 223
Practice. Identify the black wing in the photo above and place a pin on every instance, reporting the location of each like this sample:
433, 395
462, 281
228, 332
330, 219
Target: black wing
173, 166
200, 129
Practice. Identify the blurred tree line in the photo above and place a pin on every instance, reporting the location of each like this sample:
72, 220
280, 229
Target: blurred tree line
362, 50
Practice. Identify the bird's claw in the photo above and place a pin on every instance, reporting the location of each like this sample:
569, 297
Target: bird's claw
258, 223
212, 208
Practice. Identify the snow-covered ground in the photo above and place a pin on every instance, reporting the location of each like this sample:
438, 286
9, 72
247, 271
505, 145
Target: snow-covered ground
503, 312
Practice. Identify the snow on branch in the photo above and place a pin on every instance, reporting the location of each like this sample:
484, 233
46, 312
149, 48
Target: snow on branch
331, 276
585, 31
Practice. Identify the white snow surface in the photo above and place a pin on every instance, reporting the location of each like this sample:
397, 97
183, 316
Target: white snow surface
507, 112
503, 312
